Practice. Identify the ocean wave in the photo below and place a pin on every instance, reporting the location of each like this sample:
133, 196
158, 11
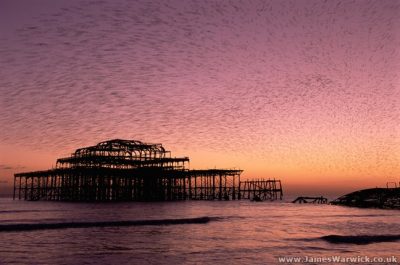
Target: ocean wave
360, 239
28, 211
359, 215
63, 225
228, 217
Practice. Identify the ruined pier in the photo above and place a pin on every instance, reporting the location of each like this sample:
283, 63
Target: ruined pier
129, 170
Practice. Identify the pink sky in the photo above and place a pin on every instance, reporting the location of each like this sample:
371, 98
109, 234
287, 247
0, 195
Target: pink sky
304, 91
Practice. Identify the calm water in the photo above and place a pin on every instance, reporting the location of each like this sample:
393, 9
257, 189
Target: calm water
239, 233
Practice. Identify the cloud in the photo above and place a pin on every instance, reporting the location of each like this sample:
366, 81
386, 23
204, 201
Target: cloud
8, 167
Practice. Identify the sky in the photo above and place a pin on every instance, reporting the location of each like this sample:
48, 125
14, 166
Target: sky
303, 91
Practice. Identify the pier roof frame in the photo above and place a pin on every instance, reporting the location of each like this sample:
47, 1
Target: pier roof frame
122, 146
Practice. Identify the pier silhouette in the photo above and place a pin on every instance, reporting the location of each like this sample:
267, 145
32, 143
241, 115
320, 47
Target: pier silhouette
130, 170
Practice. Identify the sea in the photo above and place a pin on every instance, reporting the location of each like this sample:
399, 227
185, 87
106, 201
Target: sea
196, 232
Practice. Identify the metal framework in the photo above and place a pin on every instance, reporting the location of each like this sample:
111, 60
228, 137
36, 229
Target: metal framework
127, 170
261, 190
315, 200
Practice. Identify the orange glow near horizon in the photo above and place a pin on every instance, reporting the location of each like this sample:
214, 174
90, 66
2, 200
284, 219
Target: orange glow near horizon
299, 174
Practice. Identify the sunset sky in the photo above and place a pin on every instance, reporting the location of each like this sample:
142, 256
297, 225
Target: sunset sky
305, 91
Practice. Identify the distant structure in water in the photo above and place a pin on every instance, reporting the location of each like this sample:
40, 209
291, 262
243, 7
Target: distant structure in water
129, 170
315, 200
385, 198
